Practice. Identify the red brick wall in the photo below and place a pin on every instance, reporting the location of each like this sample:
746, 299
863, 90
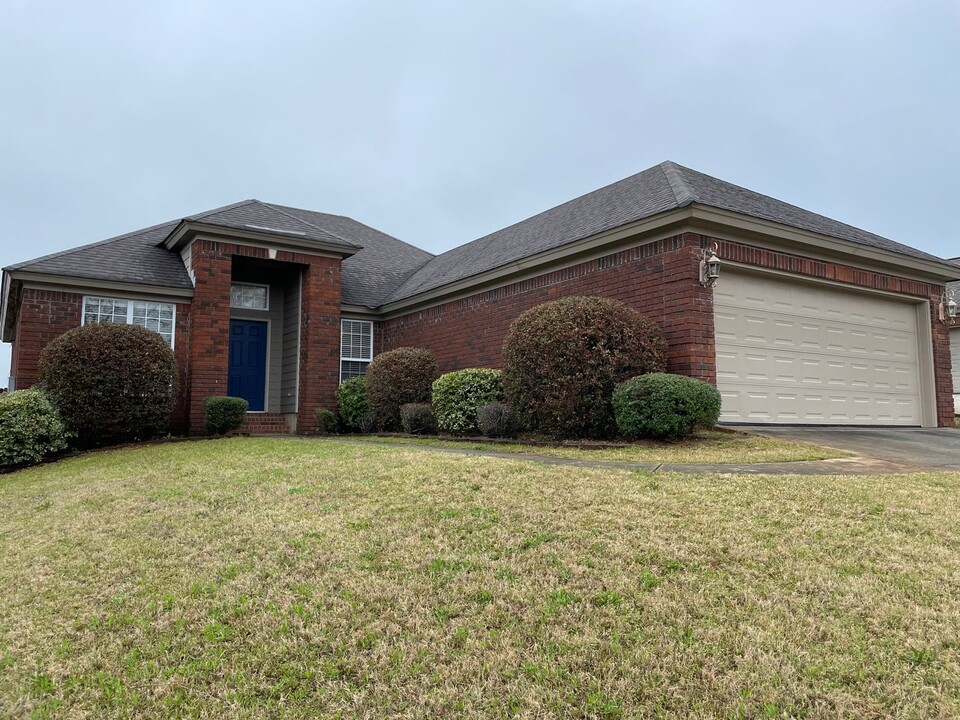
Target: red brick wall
660, 280
44, 315
799, 265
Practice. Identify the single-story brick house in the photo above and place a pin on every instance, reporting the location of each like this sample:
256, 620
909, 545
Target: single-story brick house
811, 321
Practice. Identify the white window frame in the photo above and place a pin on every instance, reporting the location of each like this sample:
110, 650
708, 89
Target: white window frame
266, 308
129, 320
346, 358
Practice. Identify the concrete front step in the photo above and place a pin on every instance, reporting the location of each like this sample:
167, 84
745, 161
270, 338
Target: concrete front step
259, 423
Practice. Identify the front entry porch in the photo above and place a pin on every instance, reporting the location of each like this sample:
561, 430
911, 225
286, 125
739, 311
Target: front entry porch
265, 326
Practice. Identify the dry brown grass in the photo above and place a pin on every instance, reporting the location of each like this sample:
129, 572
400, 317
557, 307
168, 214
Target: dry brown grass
279, 578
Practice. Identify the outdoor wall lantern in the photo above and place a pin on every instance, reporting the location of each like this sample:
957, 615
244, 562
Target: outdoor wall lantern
948, 307
709, 266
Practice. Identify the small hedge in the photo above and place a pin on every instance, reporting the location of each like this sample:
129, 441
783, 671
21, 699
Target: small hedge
497, 420
665, 407
223, 414
30, 428
352, 404
458, 394
110, 383
418, 419
396, 378
326, 421
562, 360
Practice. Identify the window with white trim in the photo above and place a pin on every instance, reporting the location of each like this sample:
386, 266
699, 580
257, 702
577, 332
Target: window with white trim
250, 296
156, 316
356, 348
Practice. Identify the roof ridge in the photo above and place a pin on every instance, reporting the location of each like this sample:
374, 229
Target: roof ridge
306, 222
682, 190
796, 207
87, 246
208, 213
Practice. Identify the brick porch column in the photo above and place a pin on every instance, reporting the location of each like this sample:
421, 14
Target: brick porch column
209, 329
319, 338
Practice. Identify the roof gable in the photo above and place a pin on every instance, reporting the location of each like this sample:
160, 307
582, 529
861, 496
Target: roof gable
260, 217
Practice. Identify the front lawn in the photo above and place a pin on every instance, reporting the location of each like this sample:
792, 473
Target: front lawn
703, 447
283, 578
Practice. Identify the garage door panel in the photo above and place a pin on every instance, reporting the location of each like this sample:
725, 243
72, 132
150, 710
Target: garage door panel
800, 353
809, 406
747, 365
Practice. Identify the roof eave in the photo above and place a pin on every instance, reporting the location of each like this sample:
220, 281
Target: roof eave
711, 219
8, 319
576, 251
79, 283
187, 230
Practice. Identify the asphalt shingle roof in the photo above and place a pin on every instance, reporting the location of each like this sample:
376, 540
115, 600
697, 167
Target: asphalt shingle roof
386, 269
376, 270
131, 258
667, 186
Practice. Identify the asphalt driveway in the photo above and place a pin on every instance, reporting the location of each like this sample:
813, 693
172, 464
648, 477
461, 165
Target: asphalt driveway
923, 447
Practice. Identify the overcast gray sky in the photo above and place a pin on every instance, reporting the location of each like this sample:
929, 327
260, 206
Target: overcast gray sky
439, 122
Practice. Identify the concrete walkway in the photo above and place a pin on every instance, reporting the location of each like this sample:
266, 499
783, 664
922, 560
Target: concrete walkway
931, 448
839, 466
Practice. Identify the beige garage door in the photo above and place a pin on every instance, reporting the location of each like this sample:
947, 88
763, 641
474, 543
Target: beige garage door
807, 353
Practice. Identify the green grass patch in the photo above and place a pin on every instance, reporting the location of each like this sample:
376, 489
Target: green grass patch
704, 447
281, 578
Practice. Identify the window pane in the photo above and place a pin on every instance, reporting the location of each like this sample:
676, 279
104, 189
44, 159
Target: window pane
254, 297
356, 340
351, 369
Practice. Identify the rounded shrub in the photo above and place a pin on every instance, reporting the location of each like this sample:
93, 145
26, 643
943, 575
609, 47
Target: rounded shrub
352, 404
30, 428
326, 421
222, 414
398, 377
497, 420
111, 383
562, 360
458, 394
418, 419
664, 407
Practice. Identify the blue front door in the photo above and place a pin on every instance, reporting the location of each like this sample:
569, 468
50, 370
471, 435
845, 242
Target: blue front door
248, 362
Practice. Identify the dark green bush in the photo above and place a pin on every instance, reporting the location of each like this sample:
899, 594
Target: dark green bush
368, 423
497, 420
562, 360
352, 404
222, 414
398, 377
111, 383
30, 428
418, 419
326, 421
458, 394
665, 407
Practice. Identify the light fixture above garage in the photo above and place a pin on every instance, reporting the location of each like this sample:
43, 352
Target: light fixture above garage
709, 266
948, 307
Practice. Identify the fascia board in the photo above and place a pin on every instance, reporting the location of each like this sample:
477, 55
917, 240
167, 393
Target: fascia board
774, 236
42, 281
597, 245
189, 230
